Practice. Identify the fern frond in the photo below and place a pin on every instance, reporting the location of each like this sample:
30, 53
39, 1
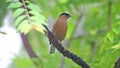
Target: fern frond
27, 16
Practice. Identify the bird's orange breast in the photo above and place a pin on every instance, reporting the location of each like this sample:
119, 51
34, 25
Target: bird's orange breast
60, 29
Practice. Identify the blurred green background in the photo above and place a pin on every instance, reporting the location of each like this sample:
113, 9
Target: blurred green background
90, 22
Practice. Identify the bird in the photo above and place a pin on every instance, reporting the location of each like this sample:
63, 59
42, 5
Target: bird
59, 29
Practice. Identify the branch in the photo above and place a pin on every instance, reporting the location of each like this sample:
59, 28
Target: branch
65, 52
29, 49
3, 33
117, 64
26, 10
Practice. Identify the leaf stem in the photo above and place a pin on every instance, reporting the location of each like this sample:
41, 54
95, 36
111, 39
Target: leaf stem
27, 12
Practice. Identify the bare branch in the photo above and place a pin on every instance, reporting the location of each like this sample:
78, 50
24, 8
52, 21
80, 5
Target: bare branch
29, 50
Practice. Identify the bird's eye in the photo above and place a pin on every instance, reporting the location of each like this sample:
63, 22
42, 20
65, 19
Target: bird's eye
67, 14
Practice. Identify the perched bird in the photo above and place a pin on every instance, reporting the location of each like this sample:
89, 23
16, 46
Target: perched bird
60, 29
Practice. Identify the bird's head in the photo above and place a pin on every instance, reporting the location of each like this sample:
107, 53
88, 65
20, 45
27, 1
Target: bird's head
65, 14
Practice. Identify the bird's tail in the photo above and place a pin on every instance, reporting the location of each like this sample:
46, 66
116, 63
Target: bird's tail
52, 49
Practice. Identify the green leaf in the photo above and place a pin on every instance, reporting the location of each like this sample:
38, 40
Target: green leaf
19, 19
70, 29
34, 7
22, 26
22, 23
25, 28
39, 19
23, 62
17, 12
34, 13
37, 22
39, 28
15, 5
117, 46
116, 29
110, 36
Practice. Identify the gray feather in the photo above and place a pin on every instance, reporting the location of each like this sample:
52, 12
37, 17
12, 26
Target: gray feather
52, 49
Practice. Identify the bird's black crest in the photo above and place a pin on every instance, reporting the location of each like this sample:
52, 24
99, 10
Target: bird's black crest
66, 14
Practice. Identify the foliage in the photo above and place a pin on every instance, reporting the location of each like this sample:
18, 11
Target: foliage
27, 14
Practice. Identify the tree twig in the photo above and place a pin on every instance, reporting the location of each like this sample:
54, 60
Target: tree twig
65, 52
117, 64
